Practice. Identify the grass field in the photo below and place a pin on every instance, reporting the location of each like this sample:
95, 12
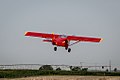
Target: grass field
57, 75
67, 78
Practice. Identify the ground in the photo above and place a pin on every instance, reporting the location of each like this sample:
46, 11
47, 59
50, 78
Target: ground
68, 78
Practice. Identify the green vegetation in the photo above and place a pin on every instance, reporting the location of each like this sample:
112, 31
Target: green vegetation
46, 67
26, 73
48, 70
58, 69
75, 68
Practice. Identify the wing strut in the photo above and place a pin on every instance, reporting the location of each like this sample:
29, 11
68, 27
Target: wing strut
74, 43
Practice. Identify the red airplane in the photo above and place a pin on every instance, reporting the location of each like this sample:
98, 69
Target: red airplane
62, 40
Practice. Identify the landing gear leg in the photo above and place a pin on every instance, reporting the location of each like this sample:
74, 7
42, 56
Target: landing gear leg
66, 48
69, 50
55, 48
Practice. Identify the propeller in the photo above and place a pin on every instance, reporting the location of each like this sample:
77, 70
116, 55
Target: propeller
66, 41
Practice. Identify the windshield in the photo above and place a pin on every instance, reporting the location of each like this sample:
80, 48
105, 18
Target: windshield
63, 36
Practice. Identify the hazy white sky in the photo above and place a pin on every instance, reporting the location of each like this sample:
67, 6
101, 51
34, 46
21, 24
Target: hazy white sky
98, 18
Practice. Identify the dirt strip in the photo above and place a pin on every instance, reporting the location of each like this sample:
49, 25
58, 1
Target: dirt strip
67, 78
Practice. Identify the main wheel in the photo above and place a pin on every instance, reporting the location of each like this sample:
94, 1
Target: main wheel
55, 48
69, 50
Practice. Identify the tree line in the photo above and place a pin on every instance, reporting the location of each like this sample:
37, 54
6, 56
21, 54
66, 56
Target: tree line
49, 67
48, 70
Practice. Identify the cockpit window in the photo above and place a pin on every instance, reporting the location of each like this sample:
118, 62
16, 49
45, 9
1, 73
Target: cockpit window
63, 36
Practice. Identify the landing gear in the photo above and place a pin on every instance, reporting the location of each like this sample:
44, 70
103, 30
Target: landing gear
66, 48
55, 48
69, 50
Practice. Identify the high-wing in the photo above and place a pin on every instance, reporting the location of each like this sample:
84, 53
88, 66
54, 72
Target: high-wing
86, 39
42, 35
74, 38
62, 40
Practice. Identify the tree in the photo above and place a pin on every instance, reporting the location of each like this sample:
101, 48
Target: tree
58, 69
71, 68
106, 70
102, 67
85, 69
75, 68
46, 67
115, 69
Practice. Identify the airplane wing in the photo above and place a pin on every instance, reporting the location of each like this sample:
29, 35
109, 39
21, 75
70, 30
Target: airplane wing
74, 38
86, 39
41, 35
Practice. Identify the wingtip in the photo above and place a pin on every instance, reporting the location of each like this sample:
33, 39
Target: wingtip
25, 33
101, 40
